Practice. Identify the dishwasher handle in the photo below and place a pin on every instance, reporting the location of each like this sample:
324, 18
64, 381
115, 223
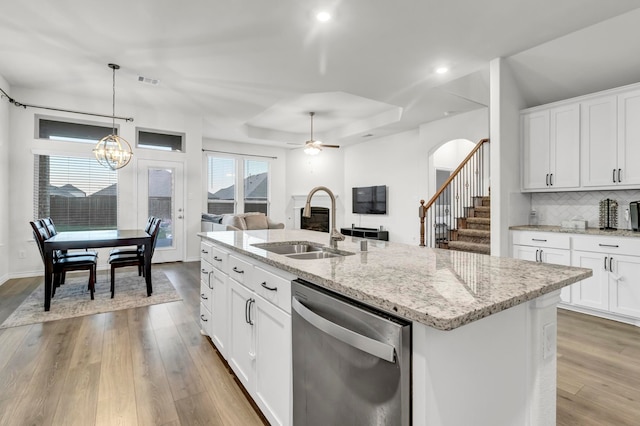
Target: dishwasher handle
371, 346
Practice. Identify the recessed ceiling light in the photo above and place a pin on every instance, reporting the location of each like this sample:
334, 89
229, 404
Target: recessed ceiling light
442, 70
323, 16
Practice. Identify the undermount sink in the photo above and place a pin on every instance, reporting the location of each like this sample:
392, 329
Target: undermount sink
285, 248
302, 250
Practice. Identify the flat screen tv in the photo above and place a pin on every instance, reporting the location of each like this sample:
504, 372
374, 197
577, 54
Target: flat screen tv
370, 199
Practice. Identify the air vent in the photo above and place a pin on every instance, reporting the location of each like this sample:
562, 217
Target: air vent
368, 135
147, 80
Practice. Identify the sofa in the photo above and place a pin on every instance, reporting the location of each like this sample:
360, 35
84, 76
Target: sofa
238, 222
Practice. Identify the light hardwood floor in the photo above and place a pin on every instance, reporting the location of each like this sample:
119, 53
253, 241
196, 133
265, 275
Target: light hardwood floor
144, 366
151, 366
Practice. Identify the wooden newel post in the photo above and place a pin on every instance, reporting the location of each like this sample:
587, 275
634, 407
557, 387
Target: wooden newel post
421, 214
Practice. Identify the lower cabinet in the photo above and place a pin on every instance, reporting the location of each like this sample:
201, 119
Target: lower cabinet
247, 315
614, 286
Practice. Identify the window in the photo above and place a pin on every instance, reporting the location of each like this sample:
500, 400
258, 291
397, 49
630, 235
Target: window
71, 131
165, 141
231, 179
77, 193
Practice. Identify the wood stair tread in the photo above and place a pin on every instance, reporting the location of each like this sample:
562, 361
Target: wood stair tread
486, 220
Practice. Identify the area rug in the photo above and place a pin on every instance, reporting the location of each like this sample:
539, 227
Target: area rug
73, 299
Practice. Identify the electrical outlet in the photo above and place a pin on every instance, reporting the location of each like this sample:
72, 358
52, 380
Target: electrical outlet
21, 254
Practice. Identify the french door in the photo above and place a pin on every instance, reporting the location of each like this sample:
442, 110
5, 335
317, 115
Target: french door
161, 194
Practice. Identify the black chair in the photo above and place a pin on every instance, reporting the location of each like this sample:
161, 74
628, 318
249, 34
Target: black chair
138, 249
50, 231
61, 265
119, 260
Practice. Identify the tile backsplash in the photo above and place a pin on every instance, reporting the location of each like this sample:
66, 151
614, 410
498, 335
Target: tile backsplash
554, 207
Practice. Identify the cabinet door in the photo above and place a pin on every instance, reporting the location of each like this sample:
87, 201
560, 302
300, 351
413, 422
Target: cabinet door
526, 253
598, 141
564, 169
273, 362
535, 136
241, 351
592, 292
624, 285
558, 257
629, 138
219, 311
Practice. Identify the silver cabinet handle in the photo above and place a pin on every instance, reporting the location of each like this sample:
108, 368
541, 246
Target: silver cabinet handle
247, 311
209, 283
239, 271
264, 285
364, 343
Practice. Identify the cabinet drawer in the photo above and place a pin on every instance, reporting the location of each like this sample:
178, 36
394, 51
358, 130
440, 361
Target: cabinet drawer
604, 244
220, 259
240, 270
205, 272
205, 295
542, 239
205, 319
205, 251
273, 288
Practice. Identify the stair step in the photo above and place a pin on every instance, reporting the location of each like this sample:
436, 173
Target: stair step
481, 211
481, 201
480, 236
470, 247
478, 223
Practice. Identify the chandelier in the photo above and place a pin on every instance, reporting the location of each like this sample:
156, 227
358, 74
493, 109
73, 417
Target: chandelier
112, 151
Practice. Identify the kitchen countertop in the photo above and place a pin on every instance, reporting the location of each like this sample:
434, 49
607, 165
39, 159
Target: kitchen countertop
587, 231
443, 289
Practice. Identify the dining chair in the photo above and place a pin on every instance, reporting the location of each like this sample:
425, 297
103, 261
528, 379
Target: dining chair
50, 231
138, 249
119, 260
64, 264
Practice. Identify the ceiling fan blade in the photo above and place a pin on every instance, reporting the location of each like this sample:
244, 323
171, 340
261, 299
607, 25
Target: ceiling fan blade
330, 146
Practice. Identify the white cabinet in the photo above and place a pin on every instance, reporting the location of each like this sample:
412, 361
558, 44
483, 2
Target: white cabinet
273, 361
551, 146
249, 321
546, 248
241, 350
629, 138
615, 284
611, 140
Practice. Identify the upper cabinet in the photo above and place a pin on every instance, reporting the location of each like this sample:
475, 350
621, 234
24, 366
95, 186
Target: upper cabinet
551, 143
589, 143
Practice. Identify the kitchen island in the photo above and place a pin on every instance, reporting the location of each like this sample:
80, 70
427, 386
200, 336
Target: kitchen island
483, 327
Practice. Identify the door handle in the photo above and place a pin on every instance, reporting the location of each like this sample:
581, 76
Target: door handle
537, 251
540, 255
619, 175
236, 270
203, 297
179, 216
551, 179
605, 263
614, 175
610, 264
547, 179
351, 338
264, 285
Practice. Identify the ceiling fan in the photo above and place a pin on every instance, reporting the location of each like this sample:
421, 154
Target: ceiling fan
312, 147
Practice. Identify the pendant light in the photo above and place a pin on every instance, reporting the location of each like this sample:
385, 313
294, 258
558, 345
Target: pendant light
112, 151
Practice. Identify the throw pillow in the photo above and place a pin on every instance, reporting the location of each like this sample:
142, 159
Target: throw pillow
234, 220
256, 221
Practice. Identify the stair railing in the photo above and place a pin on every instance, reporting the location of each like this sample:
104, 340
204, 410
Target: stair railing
454, 199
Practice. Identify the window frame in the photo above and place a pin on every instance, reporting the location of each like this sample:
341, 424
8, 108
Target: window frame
38, 117
182, 135
239, 162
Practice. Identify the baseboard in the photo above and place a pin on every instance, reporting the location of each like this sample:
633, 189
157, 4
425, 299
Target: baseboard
4, 279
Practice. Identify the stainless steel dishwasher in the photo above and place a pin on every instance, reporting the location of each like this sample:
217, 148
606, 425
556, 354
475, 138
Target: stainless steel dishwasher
351, 363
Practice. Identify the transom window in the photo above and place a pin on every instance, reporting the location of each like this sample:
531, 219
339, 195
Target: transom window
164, 141
71, 131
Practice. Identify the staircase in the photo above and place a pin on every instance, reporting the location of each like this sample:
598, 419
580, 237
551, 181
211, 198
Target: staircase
459, 214
474, 232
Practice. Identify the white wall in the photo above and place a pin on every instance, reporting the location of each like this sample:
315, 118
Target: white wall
450, 155
4, 183
304, 172
508, 205
277, 176
393, 161
24, 143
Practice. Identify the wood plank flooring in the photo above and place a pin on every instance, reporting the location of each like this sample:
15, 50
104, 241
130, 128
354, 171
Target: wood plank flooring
151, 366
144, 366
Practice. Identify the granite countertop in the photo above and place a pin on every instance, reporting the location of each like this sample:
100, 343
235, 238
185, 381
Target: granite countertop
587, 231
444, 289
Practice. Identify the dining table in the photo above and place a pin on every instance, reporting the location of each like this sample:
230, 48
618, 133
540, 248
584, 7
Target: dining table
94, 239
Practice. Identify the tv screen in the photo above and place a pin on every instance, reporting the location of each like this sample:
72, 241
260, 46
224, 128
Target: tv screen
370, 200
